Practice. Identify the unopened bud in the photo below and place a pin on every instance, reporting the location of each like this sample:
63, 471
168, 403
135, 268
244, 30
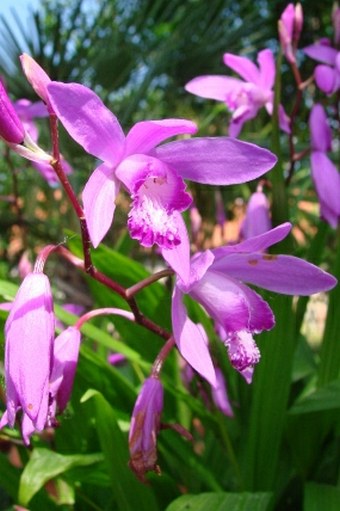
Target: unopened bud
145, 426
298, 23
11, 128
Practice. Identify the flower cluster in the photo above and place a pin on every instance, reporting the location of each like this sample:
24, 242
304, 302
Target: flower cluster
156, 174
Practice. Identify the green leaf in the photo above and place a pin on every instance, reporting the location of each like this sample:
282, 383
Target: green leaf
270, 388
45, 465
330, 353
324, 398
222, 502
128, 492
321, 496
8, 290
9, 476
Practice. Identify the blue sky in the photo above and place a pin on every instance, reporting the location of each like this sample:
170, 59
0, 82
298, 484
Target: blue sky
21, 7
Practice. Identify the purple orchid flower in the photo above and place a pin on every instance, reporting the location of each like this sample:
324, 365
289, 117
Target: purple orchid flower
29, 333
257, 219
152, 175
145, 426
327, 74
217, 282
244, 98
324, 173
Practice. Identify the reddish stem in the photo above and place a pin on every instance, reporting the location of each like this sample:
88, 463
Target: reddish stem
56, 164
162, 355
117, 288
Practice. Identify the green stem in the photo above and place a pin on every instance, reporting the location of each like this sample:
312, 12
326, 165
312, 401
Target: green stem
280, 209
330, 353
314, 255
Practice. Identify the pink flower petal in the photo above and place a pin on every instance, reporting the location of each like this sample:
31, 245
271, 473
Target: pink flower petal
213, 86
98, 196
256, 244
322, 53
321, 135
87, 120
223, 299
146, 135
191, 340
266, 62
243, 66
36, 77
327, 183
178, 257
218, 161
280, 273
325, 78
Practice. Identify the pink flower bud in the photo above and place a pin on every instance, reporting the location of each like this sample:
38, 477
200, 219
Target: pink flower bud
298, 23
65, 359
257, 220
11, 128
29, 334
290, 27
145, 425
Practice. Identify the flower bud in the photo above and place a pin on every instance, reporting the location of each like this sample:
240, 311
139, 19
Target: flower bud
29, 334
298, 23
11, 128
257, 220
145, 425
64, 365
290, 27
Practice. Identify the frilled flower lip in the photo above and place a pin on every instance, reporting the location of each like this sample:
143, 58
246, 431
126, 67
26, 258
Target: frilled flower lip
156, 192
